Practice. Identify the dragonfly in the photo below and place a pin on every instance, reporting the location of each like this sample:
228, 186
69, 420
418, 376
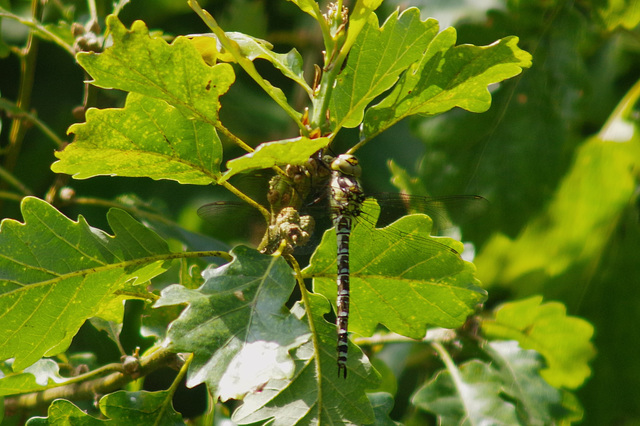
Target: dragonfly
346, 201
338, 178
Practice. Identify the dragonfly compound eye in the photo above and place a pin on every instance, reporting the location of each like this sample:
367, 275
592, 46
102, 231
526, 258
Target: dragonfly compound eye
347, 164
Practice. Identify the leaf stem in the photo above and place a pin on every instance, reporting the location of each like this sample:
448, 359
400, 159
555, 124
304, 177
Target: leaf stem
174, 386
360, 144
321, 102
312, 327
446, 358
247, 64
181, 374
242, 144
265, 213
324, 26
233, 138
451, 366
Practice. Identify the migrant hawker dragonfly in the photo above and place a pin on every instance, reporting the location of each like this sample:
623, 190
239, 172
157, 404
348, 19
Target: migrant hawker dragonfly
346, 198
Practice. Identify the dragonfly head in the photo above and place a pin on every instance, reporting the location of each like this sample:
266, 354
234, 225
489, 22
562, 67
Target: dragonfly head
347, 164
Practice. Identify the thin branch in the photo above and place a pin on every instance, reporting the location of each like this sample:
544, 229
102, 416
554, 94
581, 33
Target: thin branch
28, 57
242, 144
433, 335
87, 390
41, 30
13, 181
93, 10
91, 201
19, 113
6, 195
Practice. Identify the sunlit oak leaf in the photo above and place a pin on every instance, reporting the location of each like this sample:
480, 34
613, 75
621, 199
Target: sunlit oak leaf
141, 408
448, 76
382, 405
400, 276
376, 60
236, 324
563, 340
63, 412
289, 64
136, 408
290, 151
146, 138
175, 73
36, 377
539, 403
316, 394
468, 395
56, 273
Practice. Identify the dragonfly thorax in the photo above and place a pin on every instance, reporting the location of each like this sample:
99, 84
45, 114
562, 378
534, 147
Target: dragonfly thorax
347, 195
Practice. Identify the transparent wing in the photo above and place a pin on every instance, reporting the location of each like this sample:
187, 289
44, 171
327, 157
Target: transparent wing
233, 220
444, 211
393, 206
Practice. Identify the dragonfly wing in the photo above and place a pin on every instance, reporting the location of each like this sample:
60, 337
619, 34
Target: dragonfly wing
442, 210
234, 220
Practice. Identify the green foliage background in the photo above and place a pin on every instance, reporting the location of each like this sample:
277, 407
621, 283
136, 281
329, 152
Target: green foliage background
550, 155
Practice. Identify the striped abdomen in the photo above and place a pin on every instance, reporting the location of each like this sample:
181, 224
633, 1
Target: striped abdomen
343, 231
346, 203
